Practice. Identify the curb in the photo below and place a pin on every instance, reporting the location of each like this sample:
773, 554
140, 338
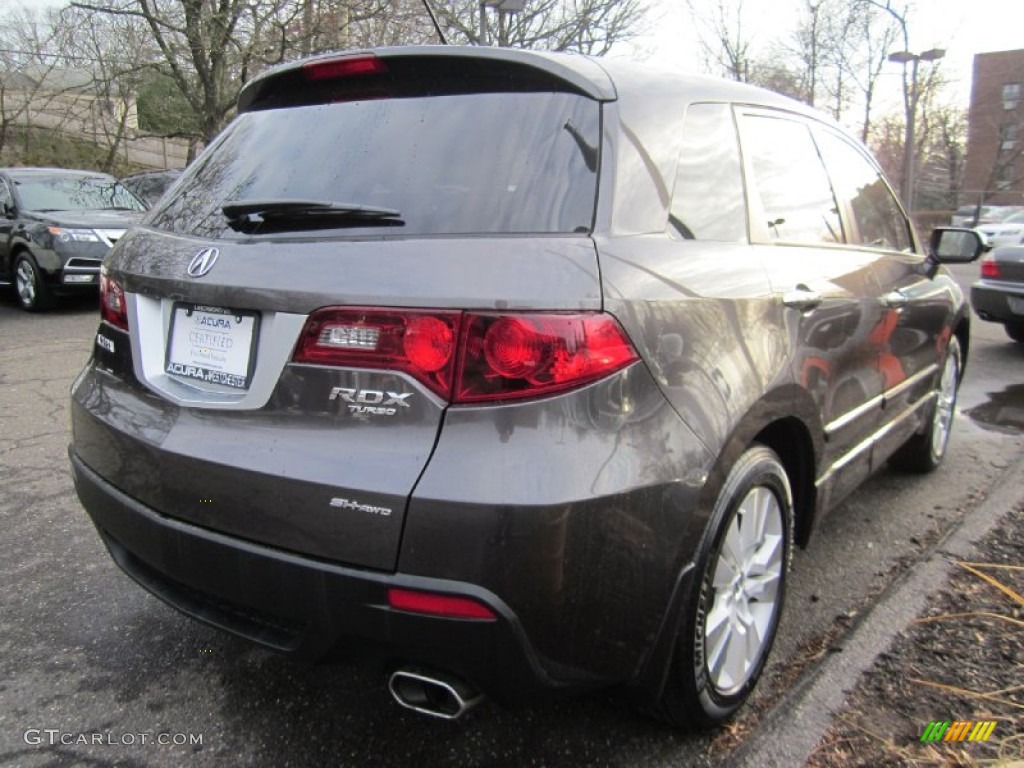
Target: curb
790, 732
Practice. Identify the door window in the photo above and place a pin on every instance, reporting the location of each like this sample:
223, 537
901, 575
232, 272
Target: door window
790, 181
878, 220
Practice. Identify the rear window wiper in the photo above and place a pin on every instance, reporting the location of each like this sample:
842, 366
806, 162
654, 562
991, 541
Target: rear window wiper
249, 215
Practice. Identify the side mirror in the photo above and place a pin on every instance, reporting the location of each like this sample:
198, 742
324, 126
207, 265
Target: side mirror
8, 209
955, 245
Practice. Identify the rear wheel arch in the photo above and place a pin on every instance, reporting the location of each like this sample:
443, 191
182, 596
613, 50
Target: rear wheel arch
787, 421
791, 440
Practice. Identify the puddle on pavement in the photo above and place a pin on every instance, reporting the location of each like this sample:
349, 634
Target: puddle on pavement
1004, 411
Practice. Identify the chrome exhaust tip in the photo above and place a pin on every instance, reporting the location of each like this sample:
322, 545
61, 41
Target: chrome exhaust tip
432, 693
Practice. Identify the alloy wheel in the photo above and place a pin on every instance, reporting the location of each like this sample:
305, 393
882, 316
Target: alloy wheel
746, 581
25, 283
944, 406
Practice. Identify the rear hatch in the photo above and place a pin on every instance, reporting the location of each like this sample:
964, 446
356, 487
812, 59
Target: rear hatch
392, 190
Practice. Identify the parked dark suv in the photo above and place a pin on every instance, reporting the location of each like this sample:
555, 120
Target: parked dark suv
522, 371
56, 226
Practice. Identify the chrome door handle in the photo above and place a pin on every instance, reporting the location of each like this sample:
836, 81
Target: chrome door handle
895, 299
802, 298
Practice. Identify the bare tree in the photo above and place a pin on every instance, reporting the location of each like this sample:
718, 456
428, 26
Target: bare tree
725, 41
584, 26
210, 48
942, 163
28, 55
115, 53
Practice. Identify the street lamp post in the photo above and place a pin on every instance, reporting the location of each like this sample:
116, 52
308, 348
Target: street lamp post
504, 8
910, 98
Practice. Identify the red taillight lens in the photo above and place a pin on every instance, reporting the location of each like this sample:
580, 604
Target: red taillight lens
990, 268
439, 605
467, 357
346, 66
112, 305
421, 344
525, 355
429, 343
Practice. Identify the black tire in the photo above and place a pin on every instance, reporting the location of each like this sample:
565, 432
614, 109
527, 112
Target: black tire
925, 451
1015, 330
31, 291
697, 693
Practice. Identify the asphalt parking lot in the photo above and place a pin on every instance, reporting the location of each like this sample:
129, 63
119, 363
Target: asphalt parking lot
95, 672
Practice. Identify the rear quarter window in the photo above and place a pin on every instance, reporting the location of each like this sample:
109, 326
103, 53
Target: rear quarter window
708, 199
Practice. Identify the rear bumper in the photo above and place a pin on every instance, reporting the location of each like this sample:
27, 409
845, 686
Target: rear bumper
305, 607
991, 301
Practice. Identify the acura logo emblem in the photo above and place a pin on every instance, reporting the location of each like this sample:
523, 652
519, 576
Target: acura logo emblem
203, 262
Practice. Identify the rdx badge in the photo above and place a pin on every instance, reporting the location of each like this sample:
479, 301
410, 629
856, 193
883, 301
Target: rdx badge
371, 402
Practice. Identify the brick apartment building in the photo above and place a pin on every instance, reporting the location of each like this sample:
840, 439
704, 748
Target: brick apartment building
994, 167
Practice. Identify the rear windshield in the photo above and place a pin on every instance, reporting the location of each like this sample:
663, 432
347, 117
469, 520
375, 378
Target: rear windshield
458, 164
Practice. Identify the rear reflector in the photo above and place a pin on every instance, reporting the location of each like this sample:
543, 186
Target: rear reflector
346, 66
439, 605
468, 357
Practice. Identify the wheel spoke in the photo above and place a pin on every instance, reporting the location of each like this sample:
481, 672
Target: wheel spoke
717, 645
944, 405
761, 618
725, 572
732, 545
736, 661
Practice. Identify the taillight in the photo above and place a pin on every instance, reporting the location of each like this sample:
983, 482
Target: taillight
344, 66
470, 357
421, 344
990, 267
525, 355
112, 304
434, 604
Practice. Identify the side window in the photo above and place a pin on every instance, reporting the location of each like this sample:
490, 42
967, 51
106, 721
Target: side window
708, 201
790, 181
878, 220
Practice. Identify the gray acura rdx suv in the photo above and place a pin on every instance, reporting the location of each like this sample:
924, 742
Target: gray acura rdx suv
524, 372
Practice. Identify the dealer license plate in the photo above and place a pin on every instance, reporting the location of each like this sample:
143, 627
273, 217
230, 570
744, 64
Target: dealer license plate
212, 344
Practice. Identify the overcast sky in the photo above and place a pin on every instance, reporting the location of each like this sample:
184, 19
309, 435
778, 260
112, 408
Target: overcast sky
962, 27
